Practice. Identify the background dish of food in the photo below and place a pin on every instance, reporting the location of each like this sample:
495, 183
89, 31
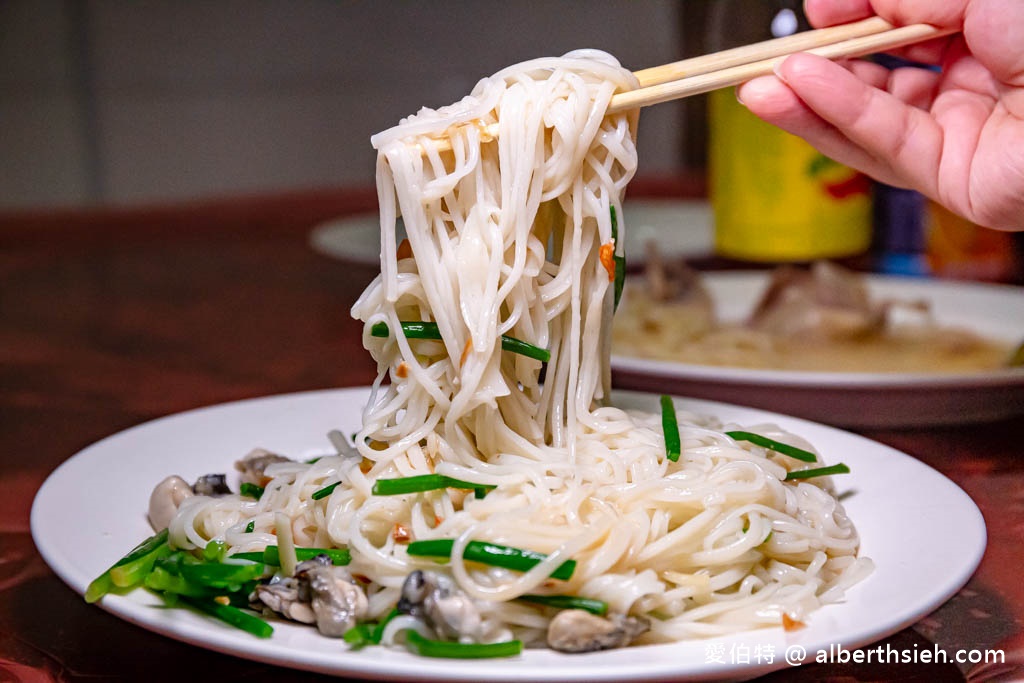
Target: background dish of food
855, 399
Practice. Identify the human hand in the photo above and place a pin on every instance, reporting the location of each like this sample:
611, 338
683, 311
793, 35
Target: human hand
955, 135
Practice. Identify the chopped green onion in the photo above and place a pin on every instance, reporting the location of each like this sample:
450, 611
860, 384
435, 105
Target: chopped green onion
271, 555
411, 329
250, 527
598, 607
130, 569
620, 261
325, 491
670, 425
218, 575
777, 446
255, 556
233, 616
99, 587
838, 468
423, 482
527, 349
490, 553
251, 490
214, 551
368, 632
454, 650
426, 330
360, 635
378, 632
167, 582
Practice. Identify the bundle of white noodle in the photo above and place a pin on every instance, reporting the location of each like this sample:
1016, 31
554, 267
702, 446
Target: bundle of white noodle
511, 234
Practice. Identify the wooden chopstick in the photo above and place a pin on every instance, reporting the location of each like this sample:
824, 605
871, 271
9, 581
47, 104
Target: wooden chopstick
712, 78
737, 65
777, 47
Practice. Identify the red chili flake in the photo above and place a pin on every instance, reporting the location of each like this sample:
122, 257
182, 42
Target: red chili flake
607, 254
400, 534
791, 624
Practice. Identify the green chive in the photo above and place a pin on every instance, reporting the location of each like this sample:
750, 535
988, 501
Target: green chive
598, 607
838, 468
256, 556
360, 635
221, 575
423, 482
620, 261
251, 490
339, 556
369, 632
490, 553
99, 587
426, 647
272, 556
426, 330
214, 551
378, 632
325, 491
413, 329
168, 583
233, 616
130, 569
250, 527
670, 425
777, 446
525, 349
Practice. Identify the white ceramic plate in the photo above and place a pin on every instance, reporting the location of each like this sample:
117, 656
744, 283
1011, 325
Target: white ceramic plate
925, 535
682, 228
856, 399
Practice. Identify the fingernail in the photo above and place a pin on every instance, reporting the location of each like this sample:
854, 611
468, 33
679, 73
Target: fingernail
736, 91
777, 69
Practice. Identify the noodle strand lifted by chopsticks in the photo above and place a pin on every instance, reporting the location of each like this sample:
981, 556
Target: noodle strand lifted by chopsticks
505, 237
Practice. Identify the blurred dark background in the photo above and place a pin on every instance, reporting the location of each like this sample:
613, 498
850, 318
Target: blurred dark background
122, 102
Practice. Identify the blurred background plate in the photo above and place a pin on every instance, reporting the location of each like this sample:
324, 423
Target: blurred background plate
856, 399
681, 228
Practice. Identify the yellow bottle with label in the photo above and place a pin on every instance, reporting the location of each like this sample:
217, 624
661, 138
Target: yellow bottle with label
774, 197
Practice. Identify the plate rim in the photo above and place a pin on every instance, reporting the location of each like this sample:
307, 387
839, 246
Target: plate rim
395, 668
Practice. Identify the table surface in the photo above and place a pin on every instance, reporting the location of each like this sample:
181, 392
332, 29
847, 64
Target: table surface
111, 317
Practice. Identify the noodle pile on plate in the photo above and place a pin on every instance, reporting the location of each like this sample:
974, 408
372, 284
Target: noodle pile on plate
513, 242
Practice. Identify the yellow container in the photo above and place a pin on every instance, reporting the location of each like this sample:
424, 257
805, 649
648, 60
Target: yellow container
775, 198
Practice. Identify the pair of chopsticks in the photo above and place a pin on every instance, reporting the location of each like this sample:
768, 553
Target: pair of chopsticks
738, 65
731, 67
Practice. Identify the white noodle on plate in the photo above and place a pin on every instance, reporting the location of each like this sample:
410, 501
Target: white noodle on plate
505, 238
